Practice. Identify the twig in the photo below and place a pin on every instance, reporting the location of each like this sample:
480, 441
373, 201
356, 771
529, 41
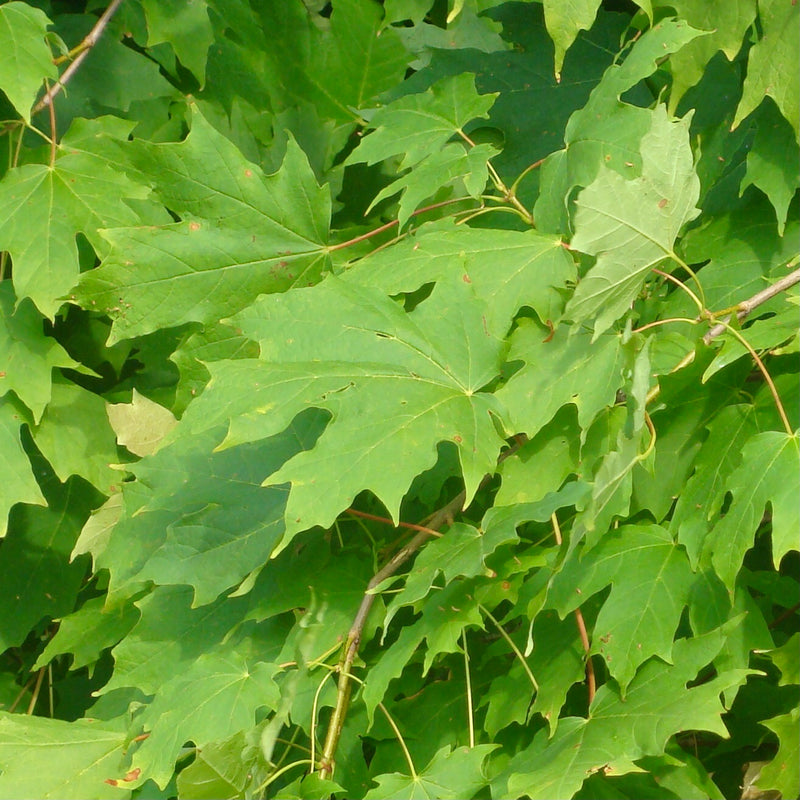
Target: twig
442, 517
85, 46
742, 310
746, 306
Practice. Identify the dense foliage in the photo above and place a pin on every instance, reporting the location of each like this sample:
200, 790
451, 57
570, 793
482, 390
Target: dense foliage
399, 400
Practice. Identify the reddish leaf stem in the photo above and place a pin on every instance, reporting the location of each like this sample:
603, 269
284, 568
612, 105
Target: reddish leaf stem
591, 682
392, 223
387, 521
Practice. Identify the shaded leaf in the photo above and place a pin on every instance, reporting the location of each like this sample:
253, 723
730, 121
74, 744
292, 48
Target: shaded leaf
216, 697
771, 62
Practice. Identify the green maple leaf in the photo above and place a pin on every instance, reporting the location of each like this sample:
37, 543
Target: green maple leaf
201, 517
418, 124
50, 758
631, 226
19, 483
243, 234
396, 385
419, 128
606, 131
726, 25
619, 731
43, 208
451, 774
782, 772
773, 62
772, 162
169, 637
339, 69
565, 367
27, 357
216, 697
25, 58
510, 269
186, 27
769, 473
650, 580
39, 579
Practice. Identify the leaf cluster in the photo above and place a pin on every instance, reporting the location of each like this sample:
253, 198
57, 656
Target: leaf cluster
399, 400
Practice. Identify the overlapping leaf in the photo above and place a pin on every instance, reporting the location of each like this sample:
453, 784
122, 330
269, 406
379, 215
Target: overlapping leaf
631, 226
769, 473
606, 131
418, 128
650, 578
244, 234
51, 758
618, 731
352, 350
43, 208
773, 62
510, 268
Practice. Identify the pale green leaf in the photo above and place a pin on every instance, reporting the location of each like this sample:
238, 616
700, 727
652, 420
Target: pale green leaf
606, 131
19, 484
216, 697
351, 349
141, 424
650, 581
769, 473
244, 234
787, 660
631, 226
25, 58
773, 63
564, 21
52, 759
27, 356
449, 776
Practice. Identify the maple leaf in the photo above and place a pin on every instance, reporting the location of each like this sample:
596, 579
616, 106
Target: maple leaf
354, 350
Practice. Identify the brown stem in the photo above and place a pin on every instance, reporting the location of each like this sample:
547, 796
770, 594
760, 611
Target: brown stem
746, 306
85, 47
442, 517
